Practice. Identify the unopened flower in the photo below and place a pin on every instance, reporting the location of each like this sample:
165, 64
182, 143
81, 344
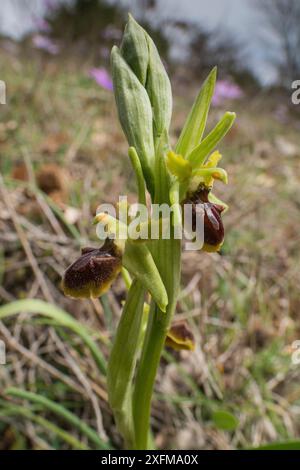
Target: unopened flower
92, 274
180, 337
102, 78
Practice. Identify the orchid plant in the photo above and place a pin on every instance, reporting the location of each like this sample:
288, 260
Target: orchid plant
151, 268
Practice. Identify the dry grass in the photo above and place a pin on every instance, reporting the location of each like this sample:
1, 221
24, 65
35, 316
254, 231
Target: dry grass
243, 305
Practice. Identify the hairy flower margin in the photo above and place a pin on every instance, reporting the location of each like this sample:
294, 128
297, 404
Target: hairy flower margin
184, 175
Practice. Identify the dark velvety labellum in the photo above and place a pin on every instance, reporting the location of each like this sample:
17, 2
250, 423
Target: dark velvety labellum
93, 272
213, 225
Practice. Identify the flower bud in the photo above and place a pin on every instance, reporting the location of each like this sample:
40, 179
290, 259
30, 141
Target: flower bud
134, 49
93, 272
213, 224
135, 113
141, 54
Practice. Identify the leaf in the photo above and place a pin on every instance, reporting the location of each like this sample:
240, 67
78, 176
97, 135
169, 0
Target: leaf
225, 420
61, 317
61, 411
285, 445
123, 358
123, 354
194, 127
199, 154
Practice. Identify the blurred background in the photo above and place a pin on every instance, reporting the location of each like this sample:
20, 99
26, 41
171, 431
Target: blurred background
62, 153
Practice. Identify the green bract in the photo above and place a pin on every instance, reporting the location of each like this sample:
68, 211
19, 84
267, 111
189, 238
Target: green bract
135, 113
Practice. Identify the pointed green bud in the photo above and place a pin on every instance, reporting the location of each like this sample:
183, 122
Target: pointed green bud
159, 90
134, 49
135, 113
140, 53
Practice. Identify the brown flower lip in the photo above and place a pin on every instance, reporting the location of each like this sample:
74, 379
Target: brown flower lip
93, 272
180, 337
213, 224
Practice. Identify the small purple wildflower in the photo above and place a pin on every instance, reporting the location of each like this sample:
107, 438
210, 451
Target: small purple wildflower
101, 77
226, 90
42, 25
45, 44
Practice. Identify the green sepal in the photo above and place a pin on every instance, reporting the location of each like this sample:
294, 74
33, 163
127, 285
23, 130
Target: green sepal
199, 154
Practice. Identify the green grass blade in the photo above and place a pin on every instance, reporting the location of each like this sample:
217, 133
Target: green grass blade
61, 411
35, 306
284, 445
16, 411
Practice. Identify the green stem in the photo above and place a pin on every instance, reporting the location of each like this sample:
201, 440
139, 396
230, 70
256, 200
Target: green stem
158, 326
167, 256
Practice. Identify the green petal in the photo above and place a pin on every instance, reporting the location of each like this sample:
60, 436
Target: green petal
199, 154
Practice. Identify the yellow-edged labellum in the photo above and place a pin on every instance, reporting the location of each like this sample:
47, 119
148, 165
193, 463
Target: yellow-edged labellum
180, 337
92, 274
